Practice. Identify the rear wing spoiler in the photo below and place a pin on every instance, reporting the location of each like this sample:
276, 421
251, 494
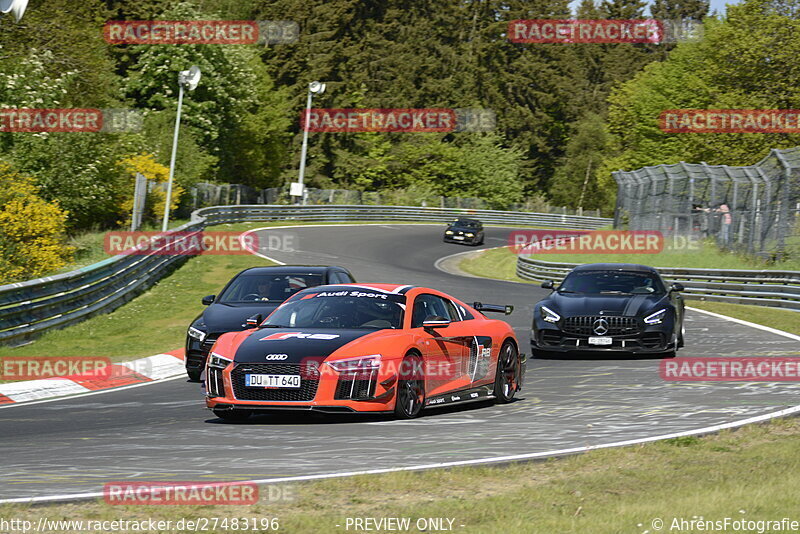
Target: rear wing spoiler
499, 308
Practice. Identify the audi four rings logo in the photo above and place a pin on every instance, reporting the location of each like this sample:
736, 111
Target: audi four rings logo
600, 327
276, 356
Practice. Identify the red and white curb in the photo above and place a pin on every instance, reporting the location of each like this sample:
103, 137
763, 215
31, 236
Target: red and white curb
143, 370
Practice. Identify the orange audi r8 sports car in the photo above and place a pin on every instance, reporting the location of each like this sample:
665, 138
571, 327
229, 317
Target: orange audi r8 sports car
375, 348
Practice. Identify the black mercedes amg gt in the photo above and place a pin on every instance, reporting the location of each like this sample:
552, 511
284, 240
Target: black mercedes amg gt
609, 307
254, 292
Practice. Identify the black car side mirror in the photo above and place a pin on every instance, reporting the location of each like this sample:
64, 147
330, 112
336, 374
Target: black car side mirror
435, 321
676, 286
208, 300
548, 284
254, 321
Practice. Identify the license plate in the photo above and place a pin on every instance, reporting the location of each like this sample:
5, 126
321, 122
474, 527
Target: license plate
272, 381
459, 237
599, 341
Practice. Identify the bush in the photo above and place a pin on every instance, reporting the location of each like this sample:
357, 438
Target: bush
31, 229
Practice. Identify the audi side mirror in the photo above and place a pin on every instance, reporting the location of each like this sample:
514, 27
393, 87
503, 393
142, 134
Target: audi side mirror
677, 286
435, 321
253, 321
208, 300
548, 284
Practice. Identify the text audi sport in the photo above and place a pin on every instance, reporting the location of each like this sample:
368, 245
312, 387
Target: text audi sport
365, 348
610, 307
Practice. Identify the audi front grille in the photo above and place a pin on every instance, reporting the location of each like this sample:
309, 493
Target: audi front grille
309, 380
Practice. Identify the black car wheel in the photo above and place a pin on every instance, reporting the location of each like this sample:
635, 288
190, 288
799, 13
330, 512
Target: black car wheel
194, 373
410, 388
232, 415
680, 336
505, 381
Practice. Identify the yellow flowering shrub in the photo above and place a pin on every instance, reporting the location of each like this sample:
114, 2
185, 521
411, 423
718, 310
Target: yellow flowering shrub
32, 230
152, 170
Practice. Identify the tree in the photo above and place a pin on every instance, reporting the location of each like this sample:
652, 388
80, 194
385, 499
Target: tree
241, 116
575, 182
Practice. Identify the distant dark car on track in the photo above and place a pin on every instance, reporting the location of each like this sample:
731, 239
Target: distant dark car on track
369, 348
610, 307
464, 230
252, 292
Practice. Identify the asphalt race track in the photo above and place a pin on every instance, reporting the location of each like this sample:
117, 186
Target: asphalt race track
164, 432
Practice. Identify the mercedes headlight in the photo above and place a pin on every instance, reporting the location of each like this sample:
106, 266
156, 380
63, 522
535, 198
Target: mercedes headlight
656, 318
449, 232
470, 234
197, 334
549, 315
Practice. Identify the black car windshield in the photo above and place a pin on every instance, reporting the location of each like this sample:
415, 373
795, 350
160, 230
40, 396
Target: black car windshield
267, 287
466, 223
612, 282
339, 309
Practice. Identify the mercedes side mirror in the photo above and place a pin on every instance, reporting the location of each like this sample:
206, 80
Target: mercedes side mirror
254, 321
208, 300
435, 321
677, 286
548, 284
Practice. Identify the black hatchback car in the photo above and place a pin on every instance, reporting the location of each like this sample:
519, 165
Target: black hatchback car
610, 307
252, 293
464, 230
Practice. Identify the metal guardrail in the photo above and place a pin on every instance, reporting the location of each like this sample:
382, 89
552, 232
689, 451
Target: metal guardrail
32, 307
780, 289
333, 213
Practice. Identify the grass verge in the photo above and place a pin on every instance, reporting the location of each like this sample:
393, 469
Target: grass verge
749, 474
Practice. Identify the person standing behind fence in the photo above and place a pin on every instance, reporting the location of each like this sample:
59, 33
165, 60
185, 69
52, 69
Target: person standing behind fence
725, 221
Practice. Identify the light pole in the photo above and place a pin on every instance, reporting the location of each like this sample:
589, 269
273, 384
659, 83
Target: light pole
15, 7
314, 88
189, 79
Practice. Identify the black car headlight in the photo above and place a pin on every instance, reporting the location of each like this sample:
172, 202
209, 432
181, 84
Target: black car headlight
470, 234
448, 232
217, 361
656, 318
197, 332
549, 316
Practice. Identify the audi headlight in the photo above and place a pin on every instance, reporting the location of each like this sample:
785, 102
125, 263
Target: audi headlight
656, 318
361, 363
197, 334
218, 361
449, 232
549, 315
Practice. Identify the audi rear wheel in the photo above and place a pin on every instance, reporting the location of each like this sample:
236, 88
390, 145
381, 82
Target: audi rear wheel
505, 382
